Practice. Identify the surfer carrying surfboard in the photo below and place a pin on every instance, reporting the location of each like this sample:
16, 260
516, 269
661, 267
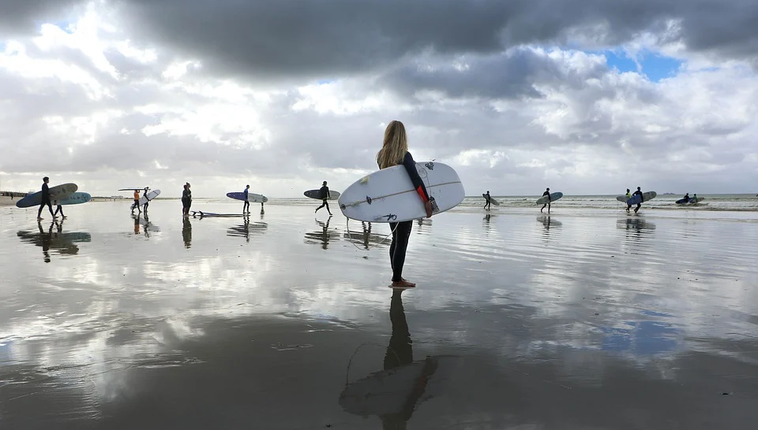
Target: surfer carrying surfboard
45, 199
144, 207
546, 193
246, 205
642, 199
324, 193
395, 152
136, 202
487, 201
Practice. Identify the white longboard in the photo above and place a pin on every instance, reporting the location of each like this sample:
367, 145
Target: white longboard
388, 195
150, 196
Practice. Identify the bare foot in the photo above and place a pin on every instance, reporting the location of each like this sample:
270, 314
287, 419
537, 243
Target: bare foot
402, 284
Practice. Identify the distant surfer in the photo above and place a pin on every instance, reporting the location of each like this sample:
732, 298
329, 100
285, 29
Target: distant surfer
546, 193
186, 199
136, 202
693, 199
45, 199
246, 205
395, 152
144, 207
686, 197
642, 199
487, 201
325, 195
628, 196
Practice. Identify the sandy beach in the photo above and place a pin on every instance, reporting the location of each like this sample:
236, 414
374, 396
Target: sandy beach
586, 319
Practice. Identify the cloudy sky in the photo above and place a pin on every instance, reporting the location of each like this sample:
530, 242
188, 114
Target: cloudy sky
583, 96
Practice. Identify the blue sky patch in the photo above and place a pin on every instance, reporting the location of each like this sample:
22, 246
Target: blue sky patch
654, 66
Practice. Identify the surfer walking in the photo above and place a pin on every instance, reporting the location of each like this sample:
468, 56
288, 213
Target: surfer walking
144, 207
546, 193
642, 199
487, 201
186, 199
325, 195
246, 205
136, 202
59, 208
45, 201
628, 196
395, 152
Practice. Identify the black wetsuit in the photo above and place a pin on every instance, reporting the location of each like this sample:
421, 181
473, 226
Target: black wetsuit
546, 193
324, 194
487, 203
144, 207
186, 200
246, 206
642, 198
45, 201
401, 231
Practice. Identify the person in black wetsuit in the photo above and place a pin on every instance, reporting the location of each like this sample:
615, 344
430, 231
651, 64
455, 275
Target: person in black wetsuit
45, 199
324, 194
546, 193
487, 202
642, 199
186, 199
144, 207
246, 205
394, 152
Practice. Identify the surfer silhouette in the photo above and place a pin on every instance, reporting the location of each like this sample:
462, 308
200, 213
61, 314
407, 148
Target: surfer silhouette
395, 152
246, 205
324, 194
45, 199
59, 208
628, 196
546, 193
487, 202
186, 199
144, 194
642, 199
136, 202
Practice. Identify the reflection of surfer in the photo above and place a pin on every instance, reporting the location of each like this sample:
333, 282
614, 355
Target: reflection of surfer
325, 233
136, 224
47, 239
400, 353
186, 232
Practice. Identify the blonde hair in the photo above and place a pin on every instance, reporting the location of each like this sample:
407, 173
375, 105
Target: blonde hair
394, 147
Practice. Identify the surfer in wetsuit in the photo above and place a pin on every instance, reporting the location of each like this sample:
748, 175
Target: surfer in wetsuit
642, 199
59, 208
246, 205
693, 199
546, 193
686, 198
144, 194
45, 199
324, 194
394, 152
487, 202
136, 202
186, 199
628, 196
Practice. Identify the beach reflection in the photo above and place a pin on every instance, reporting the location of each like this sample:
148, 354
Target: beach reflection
54, 238
366, 237
187, 232
322, 236
244, 229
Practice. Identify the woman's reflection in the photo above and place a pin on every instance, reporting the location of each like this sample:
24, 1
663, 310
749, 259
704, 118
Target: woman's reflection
393, 393
400, 353
187, 232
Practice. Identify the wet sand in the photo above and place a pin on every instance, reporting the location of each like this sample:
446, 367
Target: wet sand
286, 322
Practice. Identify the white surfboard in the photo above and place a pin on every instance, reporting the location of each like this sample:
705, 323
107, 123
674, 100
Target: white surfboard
389, 196
150, 196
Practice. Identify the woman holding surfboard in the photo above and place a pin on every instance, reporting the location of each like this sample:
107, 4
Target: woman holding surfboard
395, 152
